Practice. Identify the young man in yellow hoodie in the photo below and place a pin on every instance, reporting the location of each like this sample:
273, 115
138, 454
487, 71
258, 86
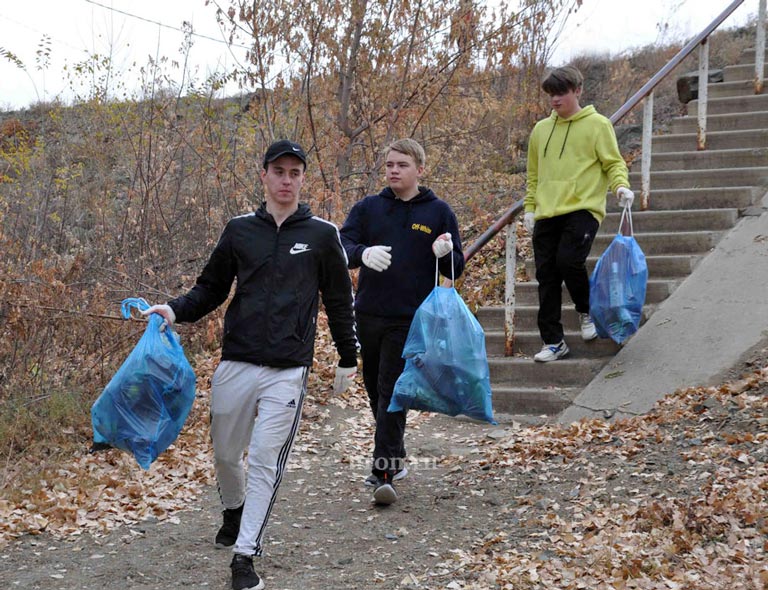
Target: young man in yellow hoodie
573, 159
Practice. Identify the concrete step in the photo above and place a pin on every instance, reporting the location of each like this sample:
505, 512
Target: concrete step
661, 266
681, 242
716, 140
567, 372
722, 122
657, 290
742, 72
735, 88
528, 343
707, 159
533, 401
748, 56
492, 318
724, 177
731, 105
675, 220
738, 197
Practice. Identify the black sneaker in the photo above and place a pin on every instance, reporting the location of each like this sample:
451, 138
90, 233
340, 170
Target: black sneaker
243, 576
384, 493
372, 480
227, 535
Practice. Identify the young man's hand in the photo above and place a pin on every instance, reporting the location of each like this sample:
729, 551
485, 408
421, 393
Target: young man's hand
442, 245
529, 221
377, 258
165, 311
345, 376
626, 196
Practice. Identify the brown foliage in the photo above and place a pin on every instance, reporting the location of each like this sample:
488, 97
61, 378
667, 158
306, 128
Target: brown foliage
107, 200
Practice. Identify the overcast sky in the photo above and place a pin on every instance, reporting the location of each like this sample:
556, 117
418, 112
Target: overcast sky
133, 30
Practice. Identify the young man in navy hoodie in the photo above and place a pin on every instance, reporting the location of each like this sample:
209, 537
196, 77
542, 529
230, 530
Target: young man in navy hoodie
394, 237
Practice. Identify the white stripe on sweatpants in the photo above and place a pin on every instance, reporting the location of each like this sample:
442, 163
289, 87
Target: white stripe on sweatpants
259, 408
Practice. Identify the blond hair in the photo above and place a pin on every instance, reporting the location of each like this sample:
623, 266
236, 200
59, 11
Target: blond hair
409, 147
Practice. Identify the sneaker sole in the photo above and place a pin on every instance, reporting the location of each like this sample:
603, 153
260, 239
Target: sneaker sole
220, 545
385, 495
590, 338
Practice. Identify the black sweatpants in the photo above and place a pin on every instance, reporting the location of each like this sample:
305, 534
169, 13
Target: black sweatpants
560, 247
381, 342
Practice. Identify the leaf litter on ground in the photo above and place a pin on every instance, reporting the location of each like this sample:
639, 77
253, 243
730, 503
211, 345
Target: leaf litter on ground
677, 498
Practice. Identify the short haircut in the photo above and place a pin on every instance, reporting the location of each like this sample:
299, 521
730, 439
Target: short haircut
409, 147
560, 80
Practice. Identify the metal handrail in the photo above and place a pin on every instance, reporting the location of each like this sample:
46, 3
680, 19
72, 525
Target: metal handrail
497, 226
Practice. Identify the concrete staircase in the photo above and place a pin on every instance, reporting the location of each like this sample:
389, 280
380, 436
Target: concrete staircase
696, 198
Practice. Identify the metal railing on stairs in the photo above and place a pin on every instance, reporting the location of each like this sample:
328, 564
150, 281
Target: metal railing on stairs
645, 94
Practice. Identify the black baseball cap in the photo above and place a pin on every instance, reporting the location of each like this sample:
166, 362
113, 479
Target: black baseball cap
284, 147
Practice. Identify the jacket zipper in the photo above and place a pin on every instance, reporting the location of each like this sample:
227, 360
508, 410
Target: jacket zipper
270, 291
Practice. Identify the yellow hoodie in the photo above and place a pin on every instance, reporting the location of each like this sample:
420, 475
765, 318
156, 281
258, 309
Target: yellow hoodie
571, 164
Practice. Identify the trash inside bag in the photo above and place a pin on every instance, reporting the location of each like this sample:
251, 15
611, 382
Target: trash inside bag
144, 406
617, 289
446, 367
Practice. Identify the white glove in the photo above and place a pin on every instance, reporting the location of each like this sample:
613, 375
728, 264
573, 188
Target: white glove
442, 245
626, 196
529, 221
166, 311
377, 258
345, 376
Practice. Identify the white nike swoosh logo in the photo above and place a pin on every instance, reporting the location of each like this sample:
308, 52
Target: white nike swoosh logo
295, 149
299, 249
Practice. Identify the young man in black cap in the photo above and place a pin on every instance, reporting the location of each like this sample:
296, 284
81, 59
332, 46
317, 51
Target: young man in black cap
283, 257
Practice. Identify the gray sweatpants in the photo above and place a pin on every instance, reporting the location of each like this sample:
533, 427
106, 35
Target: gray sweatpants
258, 408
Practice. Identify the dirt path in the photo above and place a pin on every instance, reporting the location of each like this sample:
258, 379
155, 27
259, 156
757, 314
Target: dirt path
530, 490
324, 531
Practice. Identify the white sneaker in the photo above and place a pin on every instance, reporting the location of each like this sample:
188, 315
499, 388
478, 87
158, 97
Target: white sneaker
588, 330
551, 352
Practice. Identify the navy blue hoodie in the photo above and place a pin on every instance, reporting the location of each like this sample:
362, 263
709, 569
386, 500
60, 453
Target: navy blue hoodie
409, 227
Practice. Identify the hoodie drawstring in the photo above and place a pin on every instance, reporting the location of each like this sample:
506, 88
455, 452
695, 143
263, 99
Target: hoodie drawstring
550, 136
567, 131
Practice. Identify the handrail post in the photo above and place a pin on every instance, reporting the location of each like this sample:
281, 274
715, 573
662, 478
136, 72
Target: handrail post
760, 48
645, 162
509, 289
701, 135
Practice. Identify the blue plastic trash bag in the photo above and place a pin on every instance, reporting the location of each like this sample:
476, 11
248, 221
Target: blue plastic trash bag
144, 406
446, 368
617, 289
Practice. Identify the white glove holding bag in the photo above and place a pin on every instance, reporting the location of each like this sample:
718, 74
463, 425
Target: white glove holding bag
377, 258
529, 221
626, 196
166, 311
442, 245
345, 376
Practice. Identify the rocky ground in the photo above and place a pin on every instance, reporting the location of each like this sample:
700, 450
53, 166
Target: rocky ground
507, 506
